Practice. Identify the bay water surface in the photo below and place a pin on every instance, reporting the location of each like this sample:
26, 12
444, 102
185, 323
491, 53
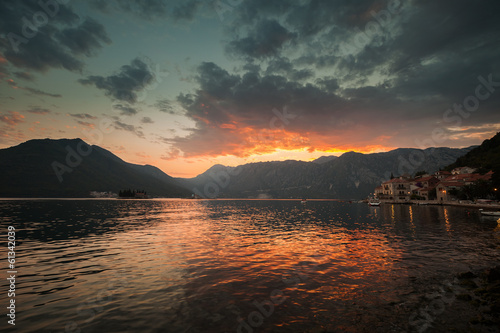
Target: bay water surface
237, 265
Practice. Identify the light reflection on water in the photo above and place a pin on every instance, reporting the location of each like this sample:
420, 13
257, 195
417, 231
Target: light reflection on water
202, 266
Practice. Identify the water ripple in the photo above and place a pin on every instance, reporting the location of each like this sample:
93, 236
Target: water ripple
207, 266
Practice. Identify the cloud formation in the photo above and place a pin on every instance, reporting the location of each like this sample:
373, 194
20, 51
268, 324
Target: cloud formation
11, 118
125, 110
86, 124
124, 85
264, 40
147, 120
39, 36
355, 74
40, 92
165, 105
24, 76
39, 110
136, 130
152, 9
82, 116
33, 91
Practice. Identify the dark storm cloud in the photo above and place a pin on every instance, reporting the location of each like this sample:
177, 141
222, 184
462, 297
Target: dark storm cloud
284, 66
85, 38
124, 85
423, 48
264, 40
253, 96
146, 9
248, 12
419, 50
186, 10
392, 71
330, 84
314, 17
446, 55
125, 110
40, 36
215, 80
151, 9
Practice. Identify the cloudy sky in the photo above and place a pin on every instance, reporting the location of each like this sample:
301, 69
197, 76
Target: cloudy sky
186, 84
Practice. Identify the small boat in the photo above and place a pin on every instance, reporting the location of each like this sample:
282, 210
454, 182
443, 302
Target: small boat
490, 213
374, 202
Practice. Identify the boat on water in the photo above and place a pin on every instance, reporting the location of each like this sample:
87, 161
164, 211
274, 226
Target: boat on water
374, 202
490, 213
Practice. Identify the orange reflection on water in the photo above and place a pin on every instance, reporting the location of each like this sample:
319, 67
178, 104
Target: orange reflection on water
246, 255
202, 266
447, 219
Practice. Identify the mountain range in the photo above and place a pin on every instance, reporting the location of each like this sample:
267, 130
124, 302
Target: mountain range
72, 168
349, 176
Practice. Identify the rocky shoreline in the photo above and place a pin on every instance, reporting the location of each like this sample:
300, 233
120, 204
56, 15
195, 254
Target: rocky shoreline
467, 302
474, 304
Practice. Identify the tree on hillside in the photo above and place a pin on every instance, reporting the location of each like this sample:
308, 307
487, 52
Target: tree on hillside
420, 173
479, 190
485, 157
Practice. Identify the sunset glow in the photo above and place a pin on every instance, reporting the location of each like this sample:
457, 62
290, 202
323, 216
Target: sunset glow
187, 86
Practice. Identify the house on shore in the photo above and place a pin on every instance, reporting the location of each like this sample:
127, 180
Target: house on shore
442, 174
442, 186
396, 189
429, 181
425, 193
423, 188
447, 189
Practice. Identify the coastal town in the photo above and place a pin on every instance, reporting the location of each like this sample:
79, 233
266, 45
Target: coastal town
463, 185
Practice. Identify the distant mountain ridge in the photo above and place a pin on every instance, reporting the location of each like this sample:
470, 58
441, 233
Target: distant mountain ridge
349, 176
72, 168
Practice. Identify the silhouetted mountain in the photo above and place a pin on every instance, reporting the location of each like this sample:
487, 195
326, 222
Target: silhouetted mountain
72, 168
352, 175
324, 159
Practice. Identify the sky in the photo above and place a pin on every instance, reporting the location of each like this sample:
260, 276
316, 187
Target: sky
184, 85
